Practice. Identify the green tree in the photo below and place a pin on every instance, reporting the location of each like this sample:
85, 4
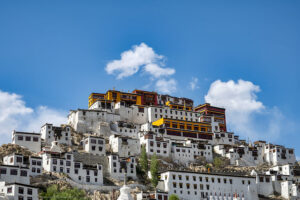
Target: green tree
173, 197
144, 160
218, 162
154, 170
54, 193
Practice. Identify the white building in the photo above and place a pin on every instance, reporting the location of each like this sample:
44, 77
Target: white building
135, 113
89, 121
194, 186
14, 174
290, 190
186, 152
94, 145
31, 141
118, 165
32, 162
124, 146
62, 134
241, 155
152, 195
154, 144
127, 129
226, 138
103, 105
157, 112
19, 191
81, 168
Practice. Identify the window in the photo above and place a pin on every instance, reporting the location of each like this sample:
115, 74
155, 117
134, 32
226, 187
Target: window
29, 191
180, 185
19, 159
207, 187
23, 173
87, 179
21, 190
225, 180
174, 184
13, 172
230, 181
187, 178
174, 177
200, 178
68, 163
69, 157
33, 162
54, 161
76, 171
28, 138
261, 179
100, 141
68, 170
93, 148
77, 165
61, 162
61, 169
20, 137
54, 168
267, 179
35, 139
38, 170
9, 190
243, 182
33, 170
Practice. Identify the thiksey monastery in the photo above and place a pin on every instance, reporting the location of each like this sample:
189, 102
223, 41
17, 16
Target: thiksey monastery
98, 148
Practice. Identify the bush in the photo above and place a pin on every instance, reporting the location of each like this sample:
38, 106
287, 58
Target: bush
173, 197
54, 193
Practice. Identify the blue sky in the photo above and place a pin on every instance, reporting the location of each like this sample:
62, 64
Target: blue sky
54, 54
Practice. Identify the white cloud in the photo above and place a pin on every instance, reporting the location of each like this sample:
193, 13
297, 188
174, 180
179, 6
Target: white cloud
143, 58
166, 86
245, 114
140, 56
194, 83
157, 71
15, 115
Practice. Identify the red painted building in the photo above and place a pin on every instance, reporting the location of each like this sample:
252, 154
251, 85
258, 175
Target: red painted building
218, 113
147, 98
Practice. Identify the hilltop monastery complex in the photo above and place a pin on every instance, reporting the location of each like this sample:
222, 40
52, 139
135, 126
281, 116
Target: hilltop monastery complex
104, 143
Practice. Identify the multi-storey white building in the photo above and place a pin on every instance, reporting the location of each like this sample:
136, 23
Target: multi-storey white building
157, 112
127, 129
154, 144
94, 145
276, 154
187, 152
152, 195
18, 191
193, 185
81, 168
31, 141
117, 166
62, 134
240, 155
14, 174
135, 113
32, 162
89, 121
124, 146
